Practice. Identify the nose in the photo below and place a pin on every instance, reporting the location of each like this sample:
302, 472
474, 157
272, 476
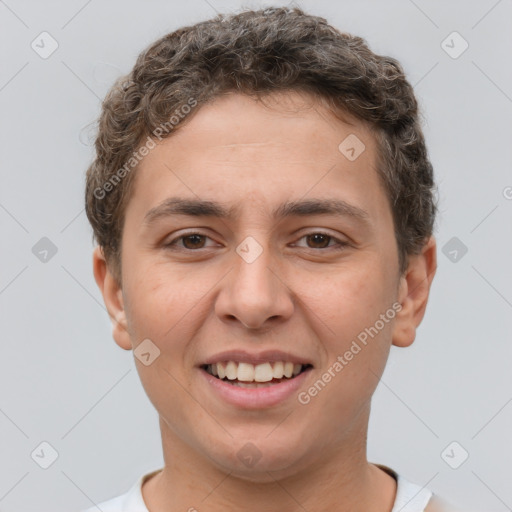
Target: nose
255, 294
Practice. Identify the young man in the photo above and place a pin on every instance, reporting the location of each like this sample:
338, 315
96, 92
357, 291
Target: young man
263, 205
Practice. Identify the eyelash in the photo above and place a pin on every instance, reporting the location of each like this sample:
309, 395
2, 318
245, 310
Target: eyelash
338, 247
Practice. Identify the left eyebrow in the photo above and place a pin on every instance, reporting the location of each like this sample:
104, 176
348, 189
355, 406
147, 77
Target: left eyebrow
301, 208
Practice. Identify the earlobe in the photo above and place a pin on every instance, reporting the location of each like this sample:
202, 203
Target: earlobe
113, 298
413, 293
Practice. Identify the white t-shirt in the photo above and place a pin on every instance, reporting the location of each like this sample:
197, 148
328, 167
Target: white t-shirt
409, 497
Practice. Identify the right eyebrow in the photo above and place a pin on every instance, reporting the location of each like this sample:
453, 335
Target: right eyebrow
189, 207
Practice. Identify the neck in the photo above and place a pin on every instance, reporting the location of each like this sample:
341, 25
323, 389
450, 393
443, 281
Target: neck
340, 480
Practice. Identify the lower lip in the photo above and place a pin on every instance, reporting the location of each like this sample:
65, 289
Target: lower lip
255, 398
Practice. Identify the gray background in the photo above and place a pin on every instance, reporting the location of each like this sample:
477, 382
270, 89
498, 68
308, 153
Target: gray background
62, 378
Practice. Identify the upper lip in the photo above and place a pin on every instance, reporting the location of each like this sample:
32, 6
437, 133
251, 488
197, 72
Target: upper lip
242, 356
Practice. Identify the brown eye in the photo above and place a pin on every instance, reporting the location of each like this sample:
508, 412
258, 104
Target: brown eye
322, 241
188, 242
319, 239
196, 241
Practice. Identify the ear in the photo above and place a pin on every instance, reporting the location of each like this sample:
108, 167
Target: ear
113, 298
413, 293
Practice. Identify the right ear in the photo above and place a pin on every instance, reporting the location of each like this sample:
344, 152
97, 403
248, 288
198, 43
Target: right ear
113, 298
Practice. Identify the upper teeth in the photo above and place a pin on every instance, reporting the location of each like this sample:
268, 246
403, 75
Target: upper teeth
247, 372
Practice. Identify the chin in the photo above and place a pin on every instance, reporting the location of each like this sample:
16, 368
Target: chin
261, 461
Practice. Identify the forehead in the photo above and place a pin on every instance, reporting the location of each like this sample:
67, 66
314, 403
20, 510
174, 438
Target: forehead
235, 150
236, 123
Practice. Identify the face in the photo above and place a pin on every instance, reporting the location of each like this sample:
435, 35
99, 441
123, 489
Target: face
302, 268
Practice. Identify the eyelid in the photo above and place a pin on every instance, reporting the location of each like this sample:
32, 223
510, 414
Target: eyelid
174, 241
340, 244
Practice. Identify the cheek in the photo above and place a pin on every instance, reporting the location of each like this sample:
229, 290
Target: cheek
346, 301
347, 309
160, 299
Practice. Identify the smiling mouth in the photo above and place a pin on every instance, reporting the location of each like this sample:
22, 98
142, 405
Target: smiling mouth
246, 375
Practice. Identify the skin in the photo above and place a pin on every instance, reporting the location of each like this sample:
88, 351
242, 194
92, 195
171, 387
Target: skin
300, 295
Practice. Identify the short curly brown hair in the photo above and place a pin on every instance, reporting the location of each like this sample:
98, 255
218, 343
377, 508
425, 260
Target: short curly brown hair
257, 53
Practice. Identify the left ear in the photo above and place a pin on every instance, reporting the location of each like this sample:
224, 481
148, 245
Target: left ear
413, 293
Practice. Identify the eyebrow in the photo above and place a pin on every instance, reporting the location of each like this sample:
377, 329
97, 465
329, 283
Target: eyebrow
301, 208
